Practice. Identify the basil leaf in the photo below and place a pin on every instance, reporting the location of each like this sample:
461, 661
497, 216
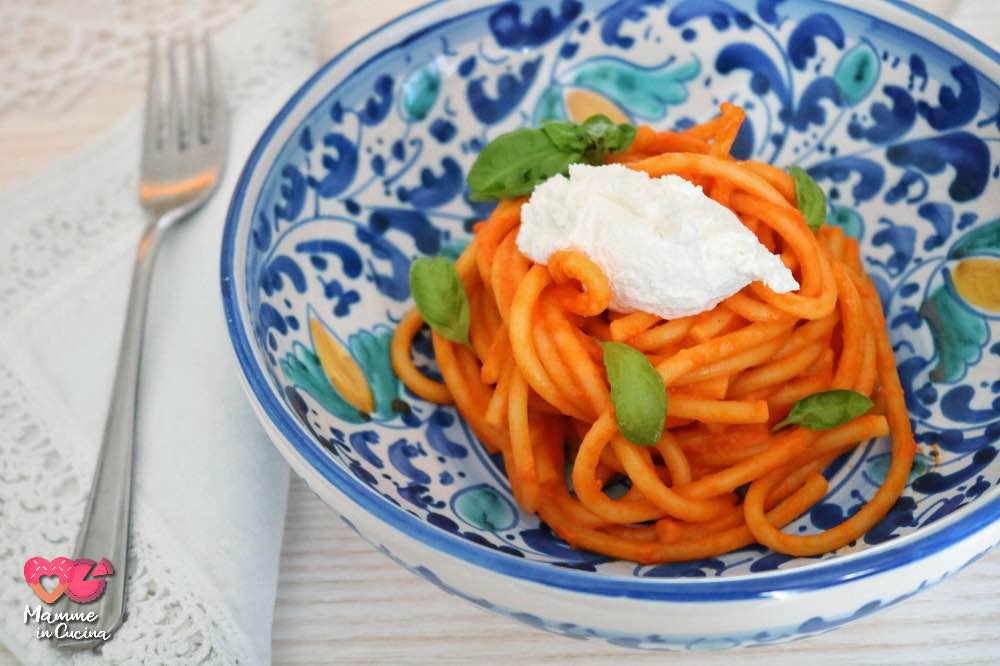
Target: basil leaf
638, 393
598, 126
565, 136
827, 409
810, 197
514, 163
605, 137
441, 297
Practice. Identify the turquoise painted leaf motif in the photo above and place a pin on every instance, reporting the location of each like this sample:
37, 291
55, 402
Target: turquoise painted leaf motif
371, 351
303, 369
984, 240
645, 92
847, 219
485, 508
420, 91
878, 467
549, 106
974, 273
959, 333
857, 73
454, 249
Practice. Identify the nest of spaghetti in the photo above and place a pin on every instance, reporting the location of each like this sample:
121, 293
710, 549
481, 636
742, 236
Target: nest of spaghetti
533, 388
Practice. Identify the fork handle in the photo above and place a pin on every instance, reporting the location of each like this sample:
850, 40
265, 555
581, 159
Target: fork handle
105, 529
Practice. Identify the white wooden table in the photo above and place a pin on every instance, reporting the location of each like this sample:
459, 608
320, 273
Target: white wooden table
341, 601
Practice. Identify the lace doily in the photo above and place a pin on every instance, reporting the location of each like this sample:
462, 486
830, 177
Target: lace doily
57, 227
167, 622
53, 51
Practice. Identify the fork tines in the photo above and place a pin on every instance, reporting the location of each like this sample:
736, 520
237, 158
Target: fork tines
184, 104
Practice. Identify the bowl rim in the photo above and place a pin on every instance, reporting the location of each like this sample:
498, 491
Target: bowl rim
851, 567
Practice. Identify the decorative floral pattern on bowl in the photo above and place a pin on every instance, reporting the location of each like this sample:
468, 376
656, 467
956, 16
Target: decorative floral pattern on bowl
364, 170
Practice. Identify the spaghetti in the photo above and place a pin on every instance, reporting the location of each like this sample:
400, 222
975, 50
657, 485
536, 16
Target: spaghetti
533, 388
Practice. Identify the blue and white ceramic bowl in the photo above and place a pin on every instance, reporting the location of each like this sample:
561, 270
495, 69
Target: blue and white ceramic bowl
896, 113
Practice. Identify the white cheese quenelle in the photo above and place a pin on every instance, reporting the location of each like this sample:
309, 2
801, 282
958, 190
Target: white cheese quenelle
664, 246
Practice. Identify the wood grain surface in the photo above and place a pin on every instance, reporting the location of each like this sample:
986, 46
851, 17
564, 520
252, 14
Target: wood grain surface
340, 601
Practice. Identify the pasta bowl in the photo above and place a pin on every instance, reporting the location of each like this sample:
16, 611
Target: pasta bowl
894, 112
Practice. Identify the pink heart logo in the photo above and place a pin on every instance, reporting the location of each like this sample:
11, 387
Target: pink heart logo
38, 567
88, 580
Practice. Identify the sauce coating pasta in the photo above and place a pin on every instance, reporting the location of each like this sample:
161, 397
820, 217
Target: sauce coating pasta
532, 385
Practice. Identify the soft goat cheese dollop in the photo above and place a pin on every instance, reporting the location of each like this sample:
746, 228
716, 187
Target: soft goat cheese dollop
665, 246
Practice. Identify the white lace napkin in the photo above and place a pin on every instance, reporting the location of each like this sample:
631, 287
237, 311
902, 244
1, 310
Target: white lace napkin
210, 491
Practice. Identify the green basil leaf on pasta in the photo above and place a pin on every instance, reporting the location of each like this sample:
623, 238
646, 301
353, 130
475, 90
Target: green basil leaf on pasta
827, 409
810, 197
514, 163
605, 137
440, 297
638, 393
565, 136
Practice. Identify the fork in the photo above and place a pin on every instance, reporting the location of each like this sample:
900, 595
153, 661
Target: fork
183, 154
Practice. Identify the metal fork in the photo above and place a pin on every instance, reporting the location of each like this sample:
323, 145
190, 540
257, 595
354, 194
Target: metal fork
183, 154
